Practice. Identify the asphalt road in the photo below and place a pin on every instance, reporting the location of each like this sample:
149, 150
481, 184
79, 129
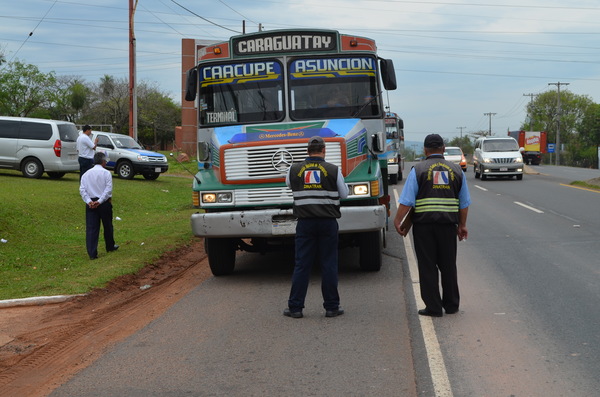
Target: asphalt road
529, 323
530, 286
228, 337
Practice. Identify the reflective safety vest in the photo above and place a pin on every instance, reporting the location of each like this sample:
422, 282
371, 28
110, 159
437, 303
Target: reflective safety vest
314, 185
439, 184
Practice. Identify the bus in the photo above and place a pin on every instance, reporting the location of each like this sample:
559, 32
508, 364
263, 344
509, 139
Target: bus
257, 99
394, 133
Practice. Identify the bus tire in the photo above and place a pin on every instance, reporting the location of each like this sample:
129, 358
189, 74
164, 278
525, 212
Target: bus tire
221, 255
370, 255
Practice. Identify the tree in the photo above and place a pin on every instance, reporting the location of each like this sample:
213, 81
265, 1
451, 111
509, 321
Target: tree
108, 103
23, 89
544, 117
158, 116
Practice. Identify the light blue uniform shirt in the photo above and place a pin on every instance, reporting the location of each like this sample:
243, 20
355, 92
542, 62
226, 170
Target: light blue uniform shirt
408, 197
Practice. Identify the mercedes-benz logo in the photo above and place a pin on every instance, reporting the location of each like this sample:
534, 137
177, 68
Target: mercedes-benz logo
282, 160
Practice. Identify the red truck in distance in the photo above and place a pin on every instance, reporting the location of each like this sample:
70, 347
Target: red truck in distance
534, 144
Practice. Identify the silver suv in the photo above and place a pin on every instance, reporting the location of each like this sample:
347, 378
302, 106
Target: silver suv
127, 158
35, 146
497, 156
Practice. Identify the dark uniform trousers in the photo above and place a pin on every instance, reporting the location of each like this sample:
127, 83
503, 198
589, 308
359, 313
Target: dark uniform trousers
85, 164
316, 240
436, 247
103, 213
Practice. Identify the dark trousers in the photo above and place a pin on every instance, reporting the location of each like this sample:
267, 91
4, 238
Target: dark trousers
103, 213
84, 165
435, 247
316, 241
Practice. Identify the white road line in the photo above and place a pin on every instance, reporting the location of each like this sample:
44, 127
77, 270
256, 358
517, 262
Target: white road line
439, 375
481, 188
529, 207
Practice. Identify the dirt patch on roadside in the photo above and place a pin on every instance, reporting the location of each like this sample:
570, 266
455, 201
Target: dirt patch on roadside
41, 347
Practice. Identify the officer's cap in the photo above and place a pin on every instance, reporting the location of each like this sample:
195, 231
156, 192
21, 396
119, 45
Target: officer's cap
433, 141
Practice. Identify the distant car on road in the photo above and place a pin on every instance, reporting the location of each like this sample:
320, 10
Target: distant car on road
455, 155
497, 156
127, 158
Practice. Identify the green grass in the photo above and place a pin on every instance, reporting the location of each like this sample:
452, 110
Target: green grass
586, 184
43, 221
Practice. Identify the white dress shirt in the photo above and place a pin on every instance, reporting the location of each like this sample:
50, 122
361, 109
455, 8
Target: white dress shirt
85, 146
96, 182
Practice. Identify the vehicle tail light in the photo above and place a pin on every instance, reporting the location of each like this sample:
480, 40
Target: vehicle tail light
57, 147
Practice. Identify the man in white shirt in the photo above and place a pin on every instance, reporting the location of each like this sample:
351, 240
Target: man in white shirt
96, 191
86, 148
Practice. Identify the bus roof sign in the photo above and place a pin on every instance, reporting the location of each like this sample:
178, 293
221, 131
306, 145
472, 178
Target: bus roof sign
284, 42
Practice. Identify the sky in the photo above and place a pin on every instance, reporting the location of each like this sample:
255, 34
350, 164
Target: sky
461, 65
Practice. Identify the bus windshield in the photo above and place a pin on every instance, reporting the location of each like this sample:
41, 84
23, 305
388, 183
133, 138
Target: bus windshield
243, 92
339, 87
391, 129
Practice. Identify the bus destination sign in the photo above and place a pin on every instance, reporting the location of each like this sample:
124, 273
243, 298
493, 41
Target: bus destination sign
284, 42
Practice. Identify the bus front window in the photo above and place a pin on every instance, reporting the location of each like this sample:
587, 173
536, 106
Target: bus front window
338, 87
241, 93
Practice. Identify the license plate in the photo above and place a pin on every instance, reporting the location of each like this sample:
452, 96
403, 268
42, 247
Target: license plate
157, 169
503, 169
284, 226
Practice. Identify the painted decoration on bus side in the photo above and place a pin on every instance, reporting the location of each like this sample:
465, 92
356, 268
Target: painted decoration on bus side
237, 73
297, 133
333, 67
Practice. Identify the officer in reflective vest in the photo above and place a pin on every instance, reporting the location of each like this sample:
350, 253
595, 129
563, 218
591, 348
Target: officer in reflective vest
317, 187
435, 201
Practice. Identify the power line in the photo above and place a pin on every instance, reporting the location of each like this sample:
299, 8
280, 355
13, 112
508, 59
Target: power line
245, 17
31, 33
204, 19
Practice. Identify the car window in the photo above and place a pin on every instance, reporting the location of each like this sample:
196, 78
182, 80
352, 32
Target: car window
453, 152
37, 131
500, 145
68, 132
126, 142
9, 128
104, 141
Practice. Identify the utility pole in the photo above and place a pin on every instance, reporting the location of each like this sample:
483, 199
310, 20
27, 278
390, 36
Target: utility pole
490, 116
460, 128
133, 131
558, 121
530, 100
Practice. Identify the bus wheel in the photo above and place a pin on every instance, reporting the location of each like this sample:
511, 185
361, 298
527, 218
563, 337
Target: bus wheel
393, 179
221, 255
370, 251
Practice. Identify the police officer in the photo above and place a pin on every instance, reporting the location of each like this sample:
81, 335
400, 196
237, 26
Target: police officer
435, 201
317, 187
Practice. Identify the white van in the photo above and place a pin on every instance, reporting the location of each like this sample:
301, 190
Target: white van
497, 156
35, 146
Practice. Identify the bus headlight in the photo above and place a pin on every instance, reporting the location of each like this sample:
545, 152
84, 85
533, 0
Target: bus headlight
360, 189
217, 198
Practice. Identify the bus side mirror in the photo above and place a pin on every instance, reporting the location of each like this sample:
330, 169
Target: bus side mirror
191, 84
378, 142
388, 74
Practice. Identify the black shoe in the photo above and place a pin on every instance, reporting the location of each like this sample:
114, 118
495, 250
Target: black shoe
114, 248
334, 313
288, 313
451, 311
93, 257
426, 312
